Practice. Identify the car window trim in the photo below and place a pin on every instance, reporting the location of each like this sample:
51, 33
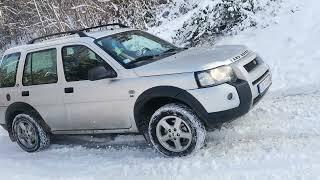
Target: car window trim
25, 63
78, 44
16, 69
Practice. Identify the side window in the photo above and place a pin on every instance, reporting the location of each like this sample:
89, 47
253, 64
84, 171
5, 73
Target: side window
78, 60
40, 68
8, 70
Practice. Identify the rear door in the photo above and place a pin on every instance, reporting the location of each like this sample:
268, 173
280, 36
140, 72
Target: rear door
40, 84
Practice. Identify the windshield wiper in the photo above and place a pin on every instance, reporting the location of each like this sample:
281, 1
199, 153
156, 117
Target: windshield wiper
172, 50
142, 58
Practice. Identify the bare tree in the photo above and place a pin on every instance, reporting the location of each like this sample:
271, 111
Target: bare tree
20, 19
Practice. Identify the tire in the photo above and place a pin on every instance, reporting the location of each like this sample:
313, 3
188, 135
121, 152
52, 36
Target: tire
29, 133
175, 130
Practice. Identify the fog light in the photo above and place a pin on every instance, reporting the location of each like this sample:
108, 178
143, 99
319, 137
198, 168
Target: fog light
230, 96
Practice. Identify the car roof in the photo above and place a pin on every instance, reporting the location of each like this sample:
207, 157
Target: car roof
67, 39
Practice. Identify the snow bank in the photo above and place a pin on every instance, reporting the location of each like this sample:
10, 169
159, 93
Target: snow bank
290, 46
287, 38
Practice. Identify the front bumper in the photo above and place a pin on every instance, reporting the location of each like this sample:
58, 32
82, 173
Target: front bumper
215, 119
246, 103
215, 106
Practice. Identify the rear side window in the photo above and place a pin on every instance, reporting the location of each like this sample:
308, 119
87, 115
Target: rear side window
78, 60
8, 70
40, 68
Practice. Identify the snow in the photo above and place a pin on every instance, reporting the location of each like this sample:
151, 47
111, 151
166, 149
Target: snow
278, 139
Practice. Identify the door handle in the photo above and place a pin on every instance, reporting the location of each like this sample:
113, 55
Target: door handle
68, 90
8, 97
25, 93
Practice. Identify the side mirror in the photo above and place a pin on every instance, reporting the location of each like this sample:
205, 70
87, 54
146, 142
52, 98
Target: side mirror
101, 72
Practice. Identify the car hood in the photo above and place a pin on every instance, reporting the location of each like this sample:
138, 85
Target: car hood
192, 60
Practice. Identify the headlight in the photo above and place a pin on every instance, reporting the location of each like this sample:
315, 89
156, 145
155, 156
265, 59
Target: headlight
215, 76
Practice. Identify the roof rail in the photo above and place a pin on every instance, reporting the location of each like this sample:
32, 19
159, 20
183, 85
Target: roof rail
105, 25
79, 32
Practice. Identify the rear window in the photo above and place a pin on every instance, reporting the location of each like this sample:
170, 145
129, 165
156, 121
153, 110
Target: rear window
8, 70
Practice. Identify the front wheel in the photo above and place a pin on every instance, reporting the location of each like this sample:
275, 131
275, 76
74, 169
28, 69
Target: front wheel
175, 130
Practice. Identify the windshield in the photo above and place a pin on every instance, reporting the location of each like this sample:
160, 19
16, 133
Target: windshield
136, 48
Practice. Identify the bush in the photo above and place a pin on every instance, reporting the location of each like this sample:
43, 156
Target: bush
213, 18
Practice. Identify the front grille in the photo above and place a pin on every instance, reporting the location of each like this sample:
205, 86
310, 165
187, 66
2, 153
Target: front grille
251, 65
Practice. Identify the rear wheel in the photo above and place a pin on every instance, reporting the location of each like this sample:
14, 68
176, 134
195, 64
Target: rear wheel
175, 130
30, 135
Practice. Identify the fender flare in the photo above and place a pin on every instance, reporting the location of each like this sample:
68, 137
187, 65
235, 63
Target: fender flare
174, 93
19, 107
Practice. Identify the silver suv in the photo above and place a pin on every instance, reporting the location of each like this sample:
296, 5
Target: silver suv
123, 80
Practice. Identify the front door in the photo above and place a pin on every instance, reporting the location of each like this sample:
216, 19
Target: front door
100, 104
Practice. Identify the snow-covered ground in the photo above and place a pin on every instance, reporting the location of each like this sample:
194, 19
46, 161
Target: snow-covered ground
278, 139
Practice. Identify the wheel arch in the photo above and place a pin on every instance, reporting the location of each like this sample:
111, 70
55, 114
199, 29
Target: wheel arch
152, 99
20, 107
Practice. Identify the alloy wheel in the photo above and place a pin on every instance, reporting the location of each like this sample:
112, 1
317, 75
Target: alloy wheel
174, 133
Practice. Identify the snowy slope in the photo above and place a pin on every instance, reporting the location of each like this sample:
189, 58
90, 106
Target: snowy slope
291, 47
279, 139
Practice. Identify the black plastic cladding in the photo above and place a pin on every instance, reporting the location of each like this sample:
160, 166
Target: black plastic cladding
211, 120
